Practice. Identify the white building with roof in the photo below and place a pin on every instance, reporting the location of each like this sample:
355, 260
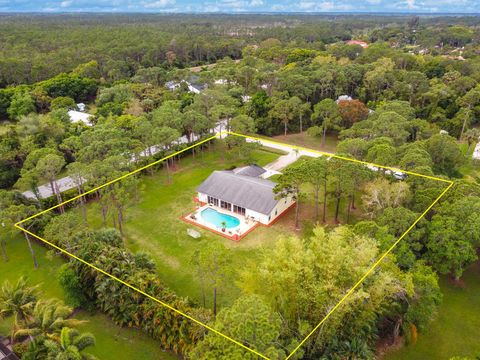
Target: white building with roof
78, 116
244, 192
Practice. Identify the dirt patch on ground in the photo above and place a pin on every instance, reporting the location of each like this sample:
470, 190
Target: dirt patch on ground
386, 345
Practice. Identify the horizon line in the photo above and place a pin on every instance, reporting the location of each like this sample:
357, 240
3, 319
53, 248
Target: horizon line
236, 13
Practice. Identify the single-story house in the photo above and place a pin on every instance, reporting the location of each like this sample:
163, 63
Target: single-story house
81, 107
78, 116
244, 192
192, 83
363, 44
344, 98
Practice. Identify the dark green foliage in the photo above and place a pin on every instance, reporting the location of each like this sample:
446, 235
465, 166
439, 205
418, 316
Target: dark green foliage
74, 86
104, 249
74, 295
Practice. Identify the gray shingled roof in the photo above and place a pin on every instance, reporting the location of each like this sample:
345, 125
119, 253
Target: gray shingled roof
250, 170
249, 192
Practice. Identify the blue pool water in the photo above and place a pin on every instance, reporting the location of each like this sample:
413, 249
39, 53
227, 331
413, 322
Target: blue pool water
216, 218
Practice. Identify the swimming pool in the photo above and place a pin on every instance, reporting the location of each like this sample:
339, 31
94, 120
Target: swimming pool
216, 218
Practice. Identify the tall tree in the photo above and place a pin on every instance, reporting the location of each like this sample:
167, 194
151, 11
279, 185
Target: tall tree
468, 101
283, 111
289, 184
15, 213
297, 275
326, 112
49, 167
212, 264
249, 321
316, 173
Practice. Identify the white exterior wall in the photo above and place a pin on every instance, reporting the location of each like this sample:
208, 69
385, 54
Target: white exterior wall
257, 216
203, 197
282, 205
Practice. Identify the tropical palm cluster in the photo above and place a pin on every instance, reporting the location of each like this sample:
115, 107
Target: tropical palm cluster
42, 329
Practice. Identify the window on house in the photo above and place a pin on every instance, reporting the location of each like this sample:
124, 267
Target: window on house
212, 201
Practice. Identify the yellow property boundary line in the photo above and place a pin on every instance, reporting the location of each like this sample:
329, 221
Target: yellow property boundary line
342, 300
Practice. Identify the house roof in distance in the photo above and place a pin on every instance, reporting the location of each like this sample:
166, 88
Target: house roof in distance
78, 116
363, 44
249, 192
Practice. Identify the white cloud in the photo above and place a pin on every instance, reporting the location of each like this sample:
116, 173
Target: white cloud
278, 7
256, 2
66, 3
322, 6
306, 5
411, 5
157, 4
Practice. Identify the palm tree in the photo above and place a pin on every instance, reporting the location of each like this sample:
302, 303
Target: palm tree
70, 346
36, 349
17, 300
47, 319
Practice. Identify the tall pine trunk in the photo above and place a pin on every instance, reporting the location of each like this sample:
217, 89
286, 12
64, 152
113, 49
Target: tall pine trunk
467, 115
349, 208
324, 135
57, 193
337, 209
325, 201
3, 249
30, 247
297, 207
82, 204
120, 220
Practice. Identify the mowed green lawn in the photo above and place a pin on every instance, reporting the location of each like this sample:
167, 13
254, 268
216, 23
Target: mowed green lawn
309, 142
154, 225
456, 331
113, 342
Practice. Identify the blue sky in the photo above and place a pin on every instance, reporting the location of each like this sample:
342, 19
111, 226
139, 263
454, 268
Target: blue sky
239, 6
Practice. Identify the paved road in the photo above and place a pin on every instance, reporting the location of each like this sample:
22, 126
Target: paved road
283, 161
67, 183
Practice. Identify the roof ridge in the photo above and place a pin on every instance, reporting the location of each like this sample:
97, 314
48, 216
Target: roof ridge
260, 181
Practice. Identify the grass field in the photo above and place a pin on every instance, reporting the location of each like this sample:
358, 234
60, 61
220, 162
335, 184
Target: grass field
455, 332
310, 142
113, 342
154, 225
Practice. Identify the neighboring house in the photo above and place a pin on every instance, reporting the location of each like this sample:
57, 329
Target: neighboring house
246, 98
363, 44
221, 82
476, 152
61, 185
6, 352
77, 116
344, 98
225, 82
192, 83
242, 191
81, 107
